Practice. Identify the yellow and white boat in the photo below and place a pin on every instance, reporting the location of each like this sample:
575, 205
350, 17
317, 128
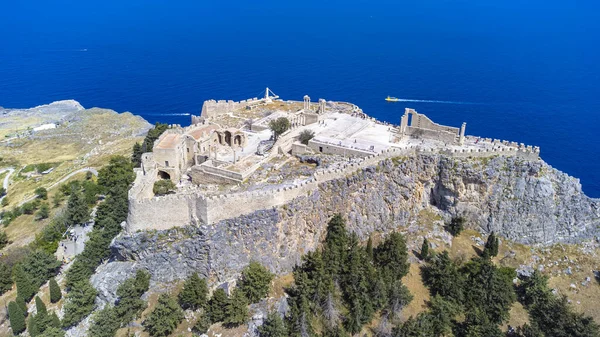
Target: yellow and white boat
392, 99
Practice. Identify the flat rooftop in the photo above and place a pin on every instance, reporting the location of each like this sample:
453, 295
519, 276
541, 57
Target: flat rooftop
169, 141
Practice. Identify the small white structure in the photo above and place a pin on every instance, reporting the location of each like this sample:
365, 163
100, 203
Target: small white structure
45, 127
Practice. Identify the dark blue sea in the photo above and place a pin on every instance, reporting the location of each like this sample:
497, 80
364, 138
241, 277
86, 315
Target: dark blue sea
526, 71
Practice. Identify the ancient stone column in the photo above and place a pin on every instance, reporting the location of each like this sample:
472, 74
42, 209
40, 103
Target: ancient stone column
306, 103
322, 103
463, 127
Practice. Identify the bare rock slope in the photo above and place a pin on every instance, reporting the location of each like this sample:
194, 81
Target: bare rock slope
525, 201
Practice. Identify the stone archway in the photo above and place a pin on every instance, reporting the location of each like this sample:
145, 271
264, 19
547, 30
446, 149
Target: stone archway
237, 140
228, 138
164, 175
220, 138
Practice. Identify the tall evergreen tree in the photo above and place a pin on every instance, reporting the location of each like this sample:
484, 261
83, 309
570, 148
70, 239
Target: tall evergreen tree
16, 317
255, 282
194, 293
165, 317
25, 287
53, 332
33, 327
392, 257
236, 311
130, 305
6, 281
272, 327
55, 293
21, 303
40, 307
425, 249
136, 155
77, 209
336, 245
491, 246
105, 323
79, 303
370, 253
218, 302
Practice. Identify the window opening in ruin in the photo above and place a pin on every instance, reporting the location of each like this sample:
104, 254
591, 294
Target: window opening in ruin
410, 116
320, 149
166, 163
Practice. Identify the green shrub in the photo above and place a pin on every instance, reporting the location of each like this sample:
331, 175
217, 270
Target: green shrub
217, 303
41, 193
305, 136
272, 327
105, 323
456, 225
163, 186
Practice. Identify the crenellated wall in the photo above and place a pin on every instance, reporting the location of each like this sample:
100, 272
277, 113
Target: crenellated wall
182, 209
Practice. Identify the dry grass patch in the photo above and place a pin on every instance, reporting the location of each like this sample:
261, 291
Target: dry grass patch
414, 283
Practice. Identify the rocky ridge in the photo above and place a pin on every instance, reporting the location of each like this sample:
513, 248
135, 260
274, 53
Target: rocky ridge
524, 201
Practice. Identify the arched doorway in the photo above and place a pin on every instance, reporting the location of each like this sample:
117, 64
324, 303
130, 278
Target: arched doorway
164, 175
237, 140
228, 138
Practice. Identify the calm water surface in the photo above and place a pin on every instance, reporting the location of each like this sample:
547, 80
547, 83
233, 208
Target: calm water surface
515, 70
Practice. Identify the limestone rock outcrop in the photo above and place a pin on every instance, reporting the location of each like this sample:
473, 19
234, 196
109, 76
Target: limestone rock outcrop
525, 201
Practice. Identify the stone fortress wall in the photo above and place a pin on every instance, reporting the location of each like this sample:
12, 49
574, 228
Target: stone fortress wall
179, 210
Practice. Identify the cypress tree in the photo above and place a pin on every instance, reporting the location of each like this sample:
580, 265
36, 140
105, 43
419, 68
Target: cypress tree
16, 317
236, 311
55, 293
194, 292
218, 302
54, 321
425, 249
21, 303
25, 288
40, 307
136, 155
491, 246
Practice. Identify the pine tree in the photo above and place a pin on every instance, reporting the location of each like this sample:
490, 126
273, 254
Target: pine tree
194, 293
236, 311
6, 281
425, 250
202, 324
3, 239
55, 293
165, 317
21, 303
392, 257
272, 327
77, 209
32, 326
53, 332
491, 246
217, 303
25, 287
456, 225
16, 317
336, 245
79, 303
255, 282
105, 323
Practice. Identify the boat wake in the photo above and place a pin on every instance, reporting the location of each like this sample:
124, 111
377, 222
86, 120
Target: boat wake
433, 101
174, 114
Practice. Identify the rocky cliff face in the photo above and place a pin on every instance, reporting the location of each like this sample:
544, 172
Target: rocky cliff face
525, 201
